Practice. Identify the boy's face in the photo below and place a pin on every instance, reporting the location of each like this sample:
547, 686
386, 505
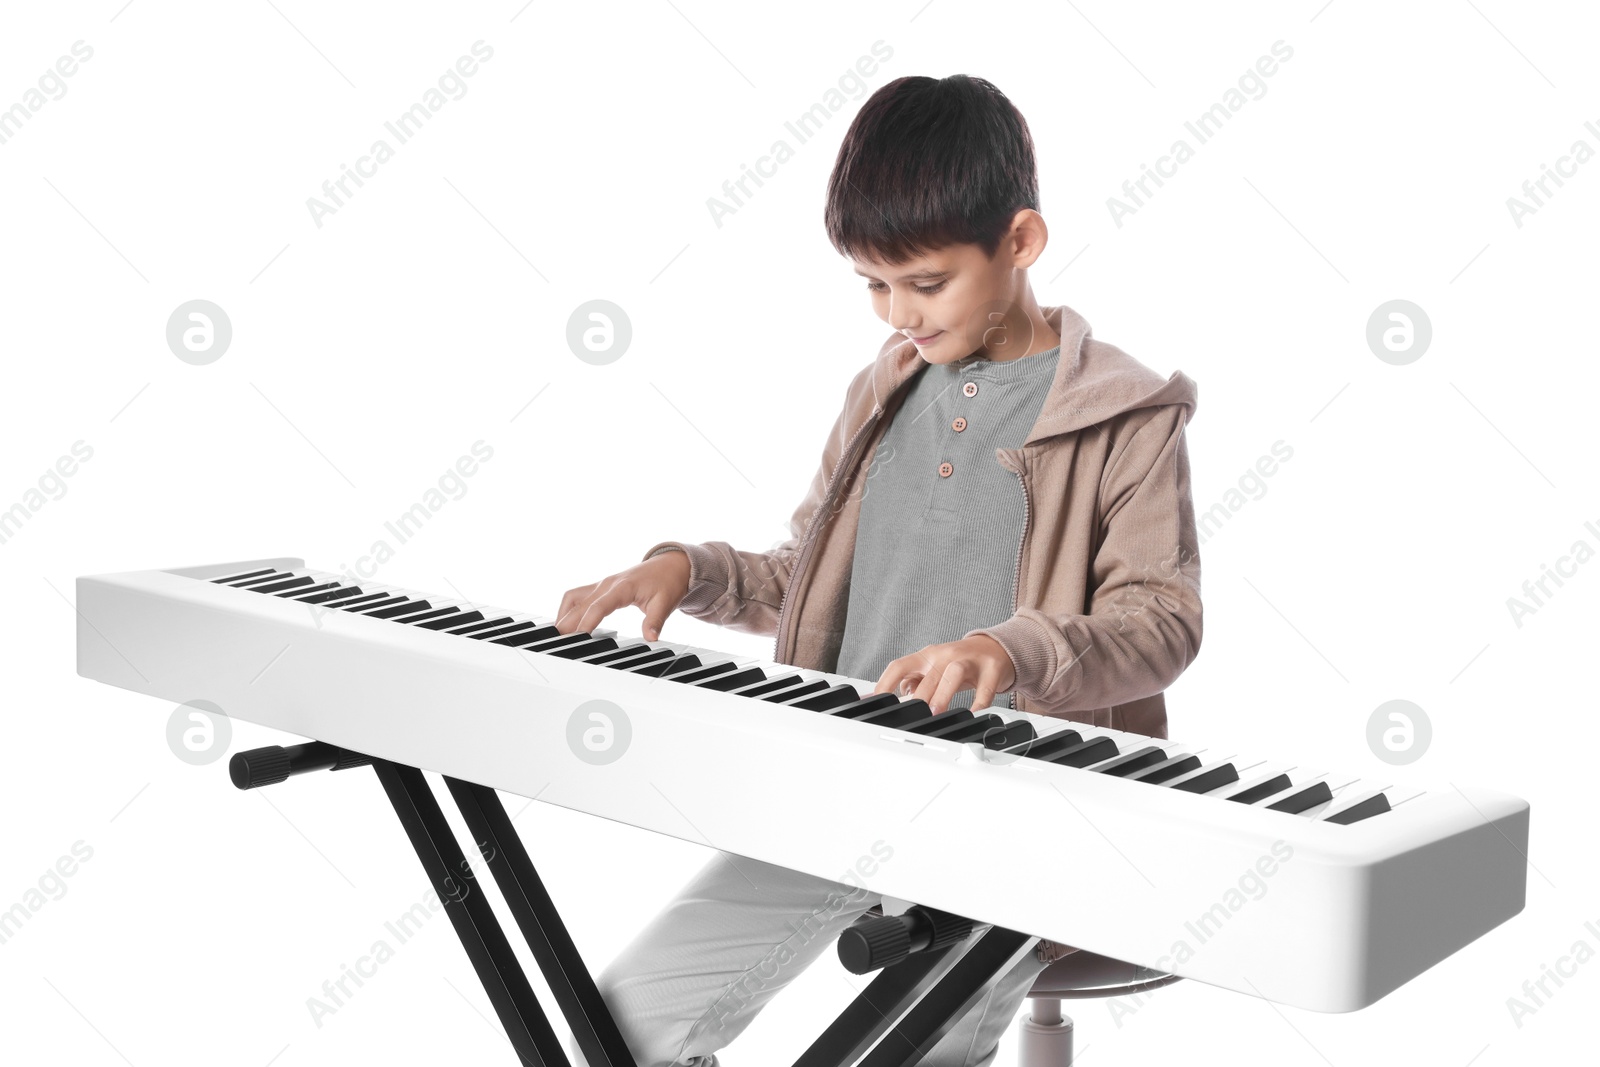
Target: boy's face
956, 301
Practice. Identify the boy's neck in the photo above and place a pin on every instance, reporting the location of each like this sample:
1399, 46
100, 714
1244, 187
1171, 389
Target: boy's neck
1031, 323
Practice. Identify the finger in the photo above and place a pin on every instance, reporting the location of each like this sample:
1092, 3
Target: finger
572, 600
889, 680
951, 682
609, 598
909, 672
983, 695
928, 688
573, 605
655, 616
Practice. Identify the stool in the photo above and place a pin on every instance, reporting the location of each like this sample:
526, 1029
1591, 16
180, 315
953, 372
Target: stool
1046, 1033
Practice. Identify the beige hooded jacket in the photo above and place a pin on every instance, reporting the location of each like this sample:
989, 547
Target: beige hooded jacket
1107, 596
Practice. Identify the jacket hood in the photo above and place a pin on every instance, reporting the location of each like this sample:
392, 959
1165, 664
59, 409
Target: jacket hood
1094, 381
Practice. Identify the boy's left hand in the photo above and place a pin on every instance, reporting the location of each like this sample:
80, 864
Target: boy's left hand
939, 672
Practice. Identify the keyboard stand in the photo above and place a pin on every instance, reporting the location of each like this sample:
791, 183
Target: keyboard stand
909, 1006
894, 1022
513, 998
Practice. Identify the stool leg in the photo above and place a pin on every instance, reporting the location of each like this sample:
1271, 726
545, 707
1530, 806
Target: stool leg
1046, 1036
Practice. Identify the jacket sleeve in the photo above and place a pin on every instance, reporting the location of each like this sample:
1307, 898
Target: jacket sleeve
743, 590
1143, 626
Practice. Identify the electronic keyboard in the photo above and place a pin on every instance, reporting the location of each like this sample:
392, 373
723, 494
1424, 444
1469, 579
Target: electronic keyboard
1296, 884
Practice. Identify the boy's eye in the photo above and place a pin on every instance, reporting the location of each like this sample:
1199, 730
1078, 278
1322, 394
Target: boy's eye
878, 287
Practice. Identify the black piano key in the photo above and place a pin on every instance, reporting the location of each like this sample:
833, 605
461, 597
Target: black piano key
1209, 779
726, 683
1085, 753
381, 600
439, 615
701, 673
1276, 784
771, 685
232, 578
266, 579
816, 685
486, 624
936, 722
533, 642
1045, 747
355, 603
1376, 804
584, 648
1010, 735
866, 706
1167, 769
406, 612
344, 592
653, 655
501, 631
521, 634
901, 715
312, 589
826, 700
970, 730
1298, 801
681, 664
1123, 766
275, 587
405, 607
677, 664
455, 617
625, 652
658, 668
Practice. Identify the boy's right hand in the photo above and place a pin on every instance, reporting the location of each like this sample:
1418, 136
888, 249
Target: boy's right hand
656, 586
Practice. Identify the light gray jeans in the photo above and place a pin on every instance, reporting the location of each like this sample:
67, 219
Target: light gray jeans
737, 933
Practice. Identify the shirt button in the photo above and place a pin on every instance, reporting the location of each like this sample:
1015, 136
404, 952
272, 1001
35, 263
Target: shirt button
945, 469
970, 389
959, 425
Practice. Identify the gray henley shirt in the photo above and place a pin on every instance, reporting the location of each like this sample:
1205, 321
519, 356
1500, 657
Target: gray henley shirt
936, 542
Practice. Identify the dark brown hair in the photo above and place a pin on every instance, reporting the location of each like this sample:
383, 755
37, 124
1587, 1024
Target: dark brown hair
927, 163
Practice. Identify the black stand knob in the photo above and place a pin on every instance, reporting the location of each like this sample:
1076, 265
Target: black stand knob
275, 763
876, 941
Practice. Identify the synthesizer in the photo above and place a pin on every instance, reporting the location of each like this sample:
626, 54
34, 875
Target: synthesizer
1263, 875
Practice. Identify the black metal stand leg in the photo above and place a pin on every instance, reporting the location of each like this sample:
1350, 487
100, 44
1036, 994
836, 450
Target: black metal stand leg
874, 1011
513, 999
936, 1013
593, 1027
895, 1022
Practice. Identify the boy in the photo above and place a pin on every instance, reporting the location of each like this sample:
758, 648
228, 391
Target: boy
1028, 539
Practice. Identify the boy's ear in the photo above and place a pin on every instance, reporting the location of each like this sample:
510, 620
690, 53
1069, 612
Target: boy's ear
1027, 237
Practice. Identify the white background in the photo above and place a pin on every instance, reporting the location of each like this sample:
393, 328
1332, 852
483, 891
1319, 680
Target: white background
430, 312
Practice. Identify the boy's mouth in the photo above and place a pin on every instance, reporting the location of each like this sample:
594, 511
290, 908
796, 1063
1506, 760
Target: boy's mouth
922, 341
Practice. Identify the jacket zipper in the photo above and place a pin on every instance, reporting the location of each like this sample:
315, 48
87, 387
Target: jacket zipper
1016, 585
807, 540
